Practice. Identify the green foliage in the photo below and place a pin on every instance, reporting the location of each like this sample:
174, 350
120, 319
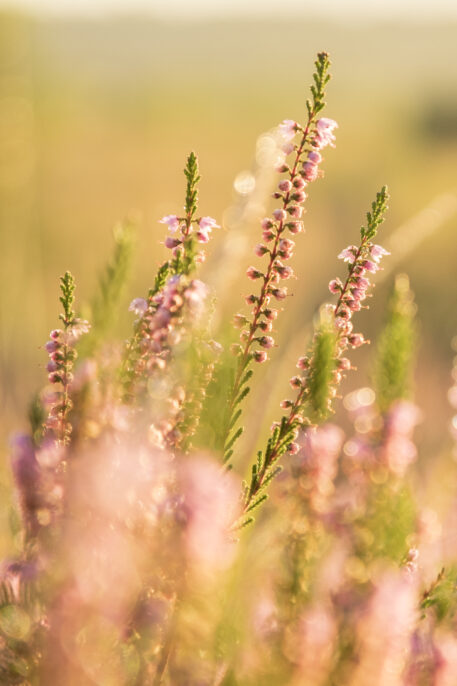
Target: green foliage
376, 216
396, 347
381, 532
323, 364
67, 287
106, 302
441, 596
161, 279
320, 77
192, 176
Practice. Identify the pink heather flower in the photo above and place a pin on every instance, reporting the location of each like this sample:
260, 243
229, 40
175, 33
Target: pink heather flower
52, 346
293, 448
270, 314
285, 272
295, 382
285, 404
359, 293
138, 306
203, 236
260, 250
266, 325
280, 215
285, 185
172, 243
344, 363
287, 148
279, 293
253, 273
335, 286
55, 333
286, 245
377, 252
361, 282
196, 293
310, 171
260, 356
172, 222
208, 223
295, 211
295, 227
303, 363
266, 223
299, 183
356, 340
370, 266
324, 132
77, 329
251, 299
266, 341
299, 196
288, 129
268, 235
348, 254
315, 157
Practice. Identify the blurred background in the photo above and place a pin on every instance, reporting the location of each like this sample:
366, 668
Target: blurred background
100, 102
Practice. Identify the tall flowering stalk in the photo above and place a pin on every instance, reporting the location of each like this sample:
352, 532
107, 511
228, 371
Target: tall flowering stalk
158, 314
303, 169
62, 355
323, 369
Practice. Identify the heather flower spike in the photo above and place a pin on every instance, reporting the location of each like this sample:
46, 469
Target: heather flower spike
317, 388
302, 169
62, 355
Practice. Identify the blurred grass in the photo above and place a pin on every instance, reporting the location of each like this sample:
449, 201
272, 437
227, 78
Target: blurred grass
96, 119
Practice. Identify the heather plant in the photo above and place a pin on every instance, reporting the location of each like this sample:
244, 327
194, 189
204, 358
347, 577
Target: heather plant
142, 556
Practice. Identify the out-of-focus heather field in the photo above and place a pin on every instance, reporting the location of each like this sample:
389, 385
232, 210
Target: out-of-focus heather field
96, 119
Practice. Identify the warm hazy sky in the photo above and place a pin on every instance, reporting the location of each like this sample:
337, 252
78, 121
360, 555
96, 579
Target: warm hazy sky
413, 9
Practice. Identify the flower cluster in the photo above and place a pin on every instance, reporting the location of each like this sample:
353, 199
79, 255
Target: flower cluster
182, 231
62, 355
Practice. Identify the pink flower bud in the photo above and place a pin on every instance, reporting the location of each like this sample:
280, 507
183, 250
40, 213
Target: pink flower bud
251, 299
296, 381
285, 404
279, 293
293, 448
138, 306
260, 356
52, 346
295, 227
295, 211
202, 236
266, 223
55, 334
299, 183
260, 250
285, 185
266, 341
268, 235
335, 286
344, 363
172, 242
270, 314
356, 340
310, 171
279, 215
285, 272
253, 274
286, 245
299, 196
266, 326
303, 363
